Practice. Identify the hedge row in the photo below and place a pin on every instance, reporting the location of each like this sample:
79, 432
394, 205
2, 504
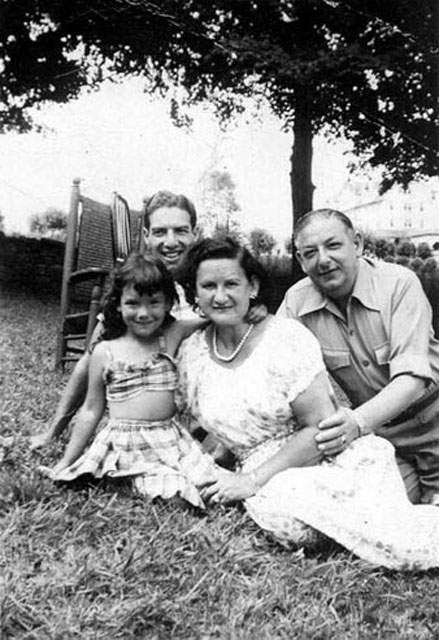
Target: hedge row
30, 265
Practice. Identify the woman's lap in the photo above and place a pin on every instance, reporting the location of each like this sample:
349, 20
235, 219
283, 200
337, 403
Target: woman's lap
358, 500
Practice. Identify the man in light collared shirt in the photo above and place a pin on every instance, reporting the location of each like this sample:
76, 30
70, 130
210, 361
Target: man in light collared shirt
373, 322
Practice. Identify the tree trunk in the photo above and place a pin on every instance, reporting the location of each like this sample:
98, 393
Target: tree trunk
302, 187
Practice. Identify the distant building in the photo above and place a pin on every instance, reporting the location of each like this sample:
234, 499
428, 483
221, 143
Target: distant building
413, 213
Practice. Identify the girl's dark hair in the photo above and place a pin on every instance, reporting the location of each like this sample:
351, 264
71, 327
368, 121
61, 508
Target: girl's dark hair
148, 275
224, 248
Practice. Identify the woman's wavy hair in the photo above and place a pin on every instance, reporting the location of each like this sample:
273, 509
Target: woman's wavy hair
147, 275
224, 248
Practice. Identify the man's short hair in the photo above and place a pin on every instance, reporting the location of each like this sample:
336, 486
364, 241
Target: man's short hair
306, 219
168, 199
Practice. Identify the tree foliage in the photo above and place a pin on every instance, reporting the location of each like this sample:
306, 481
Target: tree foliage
406, 248
366, 69
423, 250
219, 206
261, 242
52, 223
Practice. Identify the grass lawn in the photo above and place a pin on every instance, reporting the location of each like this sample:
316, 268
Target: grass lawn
97, 562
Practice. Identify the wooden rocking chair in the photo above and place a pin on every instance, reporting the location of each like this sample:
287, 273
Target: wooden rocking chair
98, 236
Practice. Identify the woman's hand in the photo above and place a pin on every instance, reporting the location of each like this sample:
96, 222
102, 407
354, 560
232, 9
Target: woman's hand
228, 487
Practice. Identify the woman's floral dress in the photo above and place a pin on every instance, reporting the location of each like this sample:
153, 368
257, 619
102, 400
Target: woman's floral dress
357, 498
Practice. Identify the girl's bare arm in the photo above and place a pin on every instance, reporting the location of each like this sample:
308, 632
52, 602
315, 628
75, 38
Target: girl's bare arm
91, 411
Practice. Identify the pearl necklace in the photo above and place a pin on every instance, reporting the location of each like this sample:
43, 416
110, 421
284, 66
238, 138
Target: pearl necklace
233, 355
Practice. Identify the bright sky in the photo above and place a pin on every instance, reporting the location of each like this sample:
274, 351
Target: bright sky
121, 139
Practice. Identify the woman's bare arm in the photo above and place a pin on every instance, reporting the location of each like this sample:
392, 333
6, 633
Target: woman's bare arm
310, 407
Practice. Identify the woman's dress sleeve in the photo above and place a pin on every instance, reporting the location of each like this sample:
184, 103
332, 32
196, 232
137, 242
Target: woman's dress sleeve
296, 358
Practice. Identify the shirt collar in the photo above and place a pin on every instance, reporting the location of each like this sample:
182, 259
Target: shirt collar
314, 300
363, 291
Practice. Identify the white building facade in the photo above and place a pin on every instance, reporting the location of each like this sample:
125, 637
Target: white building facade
413, 213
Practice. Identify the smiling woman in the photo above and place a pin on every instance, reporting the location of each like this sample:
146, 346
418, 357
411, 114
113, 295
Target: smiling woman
262, 393
224, 292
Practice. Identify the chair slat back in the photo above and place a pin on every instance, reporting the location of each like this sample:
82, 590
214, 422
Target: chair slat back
98, 236
95, 242
121, 228
137, 239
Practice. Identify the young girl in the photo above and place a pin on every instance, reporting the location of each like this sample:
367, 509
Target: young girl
133, 369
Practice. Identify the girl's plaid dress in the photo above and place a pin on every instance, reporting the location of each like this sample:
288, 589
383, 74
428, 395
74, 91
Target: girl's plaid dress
161, 456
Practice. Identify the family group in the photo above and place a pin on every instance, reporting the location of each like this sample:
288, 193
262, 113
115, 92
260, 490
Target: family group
213, 399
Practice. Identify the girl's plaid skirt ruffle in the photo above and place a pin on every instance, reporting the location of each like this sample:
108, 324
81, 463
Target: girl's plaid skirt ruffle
160, 456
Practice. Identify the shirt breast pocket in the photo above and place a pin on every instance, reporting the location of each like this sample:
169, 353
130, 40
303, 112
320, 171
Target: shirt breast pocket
382, 353
336, 359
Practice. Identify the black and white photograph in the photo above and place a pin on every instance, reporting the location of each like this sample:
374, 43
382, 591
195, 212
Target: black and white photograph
219, 320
